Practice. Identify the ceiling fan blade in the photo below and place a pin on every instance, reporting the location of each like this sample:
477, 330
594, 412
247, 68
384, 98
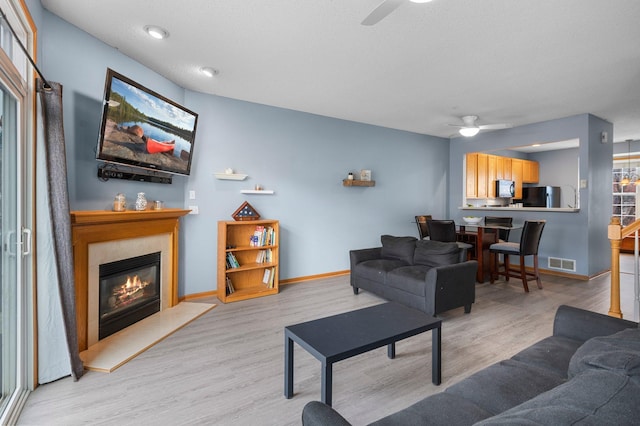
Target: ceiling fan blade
495, 126
385, 8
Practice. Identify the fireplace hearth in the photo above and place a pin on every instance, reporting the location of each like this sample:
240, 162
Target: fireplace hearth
129, 291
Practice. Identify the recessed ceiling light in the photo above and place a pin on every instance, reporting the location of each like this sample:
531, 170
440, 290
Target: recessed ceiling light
156, 32
420, 1
209, 72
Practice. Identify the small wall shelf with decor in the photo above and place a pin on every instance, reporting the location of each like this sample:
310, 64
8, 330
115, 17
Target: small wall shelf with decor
247, 259
230, 176
357, 182
256, 191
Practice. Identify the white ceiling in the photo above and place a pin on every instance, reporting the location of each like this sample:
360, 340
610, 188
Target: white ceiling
421, 67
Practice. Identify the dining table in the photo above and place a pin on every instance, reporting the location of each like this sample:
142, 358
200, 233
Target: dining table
481, 236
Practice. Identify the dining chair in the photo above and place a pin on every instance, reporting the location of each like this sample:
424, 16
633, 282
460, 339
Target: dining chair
528, 246
445, 231
503, 234
423, 229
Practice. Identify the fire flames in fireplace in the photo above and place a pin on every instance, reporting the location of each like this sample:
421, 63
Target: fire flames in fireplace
127, 293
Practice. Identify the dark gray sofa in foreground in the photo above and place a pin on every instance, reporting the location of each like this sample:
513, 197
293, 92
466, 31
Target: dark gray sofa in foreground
431, 276
586, 373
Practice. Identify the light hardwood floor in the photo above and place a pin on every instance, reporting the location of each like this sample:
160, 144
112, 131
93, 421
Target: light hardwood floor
226, 367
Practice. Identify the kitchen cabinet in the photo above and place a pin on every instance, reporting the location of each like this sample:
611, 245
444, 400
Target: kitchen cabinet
530, 171
516, 176
492, 175
482, 176
472, 180
503, 168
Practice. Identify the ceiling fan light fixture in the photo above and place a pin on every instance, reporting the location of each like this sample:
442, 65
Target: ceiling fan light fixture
156, 32
469, 131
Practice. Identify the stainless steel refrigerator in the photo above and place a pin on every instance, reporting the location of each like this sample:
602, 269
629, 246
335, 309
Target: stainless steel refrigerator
541, 196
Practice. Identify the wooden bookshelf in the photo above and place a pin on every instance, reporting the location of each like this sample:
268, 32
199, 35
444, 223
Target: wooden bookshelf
234, 237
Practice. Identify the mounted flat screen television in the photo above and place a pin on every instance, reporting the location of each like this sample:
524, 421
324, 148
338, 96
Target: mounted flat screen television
141, 128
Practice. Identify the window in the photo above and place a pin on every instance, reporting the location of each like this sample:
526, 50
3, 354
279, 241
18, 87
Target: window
16, 194
625, 196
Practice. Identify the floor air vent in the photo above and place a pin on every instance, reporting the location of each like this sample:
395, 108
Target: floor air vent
562, 264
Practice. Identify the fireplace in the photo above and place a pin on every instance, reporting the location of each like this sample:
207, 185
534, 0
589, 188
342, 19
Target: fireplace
129, 291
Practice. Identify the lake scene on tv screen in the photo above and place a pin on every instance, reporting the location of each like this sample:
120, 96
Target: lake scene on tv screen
143, 129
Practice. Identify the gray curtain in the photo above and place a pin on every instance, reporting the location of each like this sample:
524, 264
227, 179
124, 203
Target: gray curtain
51, 101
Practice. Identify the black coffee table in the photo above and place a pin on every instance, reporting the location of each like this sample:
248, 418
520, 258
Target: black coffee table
342, 336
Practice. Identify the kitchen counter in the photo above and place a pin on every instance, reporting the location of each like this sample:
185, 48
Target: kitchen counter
524, 209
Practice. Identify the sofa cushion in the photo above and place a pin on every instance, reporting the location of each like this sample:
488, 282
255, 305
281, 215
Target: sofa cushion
376, 269
400, 248
505, 384
409, 278
435, 253
552, 353
618, 353
439, 409
594, 397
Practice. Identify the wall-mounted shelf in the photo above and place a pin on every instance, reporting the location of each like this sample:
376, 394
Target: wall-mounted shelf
230, 176
356, 182
256, 191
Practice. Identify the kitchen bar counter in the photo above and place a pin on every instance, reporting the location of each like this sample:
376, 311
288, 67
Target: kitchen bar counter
524, 209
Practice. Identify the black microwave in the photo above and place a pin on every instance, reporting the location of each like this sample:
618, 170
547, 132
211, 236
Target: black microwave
505, 188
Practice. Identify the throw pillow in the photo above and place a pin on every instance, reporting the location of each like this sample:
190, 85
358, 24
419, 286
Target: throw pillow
400, 248
436, 253
618, 353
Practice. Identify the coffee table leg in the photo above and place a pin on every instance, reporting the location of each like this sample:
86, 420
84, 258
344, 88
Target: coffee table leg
288, 367
436, 371
327, 382
391, 350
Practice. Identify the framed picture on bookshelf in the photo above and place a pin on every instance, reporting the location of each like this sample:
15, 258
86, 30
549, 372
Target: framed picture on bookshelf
365, 174
245, 212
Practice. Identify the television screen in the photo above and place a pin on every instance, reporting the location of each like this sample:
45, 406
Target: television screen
141, 128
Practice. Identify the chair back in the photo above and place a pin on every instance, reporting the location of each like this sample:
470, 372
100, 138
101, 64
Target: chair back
503, 234
442, 230
423, 229
530, 239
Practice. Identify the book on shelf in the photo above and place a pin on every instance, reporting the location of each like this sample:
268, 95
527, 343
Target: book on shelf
272, 277
266, 277
232, 262
262, 236
230, 289
264, 256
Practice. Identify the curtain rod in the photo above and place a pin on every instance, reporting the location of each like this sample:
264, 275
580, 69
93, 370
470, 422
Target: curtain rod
46, 84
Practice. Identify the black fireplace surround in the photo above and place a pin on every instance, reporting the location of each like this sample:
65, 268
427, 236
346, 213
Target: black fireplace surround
129, 292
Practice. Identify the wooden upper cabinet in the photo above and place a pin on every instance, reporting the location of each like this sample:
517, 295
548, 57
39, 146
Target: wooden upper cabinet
530, 171
503, 165
472, 168
492, 175
482, 175
516, 176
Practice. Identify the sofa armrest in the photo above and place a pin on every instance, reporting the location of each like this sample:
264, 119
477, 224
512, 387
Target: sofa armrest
357, 256
582, 325
316, 413
453, 286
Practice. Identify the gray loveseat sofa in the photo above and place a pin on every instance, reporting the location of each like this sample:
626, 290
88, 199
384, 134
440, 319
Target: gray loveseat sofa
586, 373
431, 276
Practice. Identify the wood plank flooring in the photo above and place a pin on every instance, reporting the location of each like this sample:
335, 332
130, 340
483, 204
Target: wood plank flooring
226, 368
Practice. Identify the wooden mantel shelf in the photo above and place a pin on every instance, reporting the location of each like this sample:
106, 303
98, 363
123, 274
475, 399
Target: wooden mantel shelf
98, 226
92, 217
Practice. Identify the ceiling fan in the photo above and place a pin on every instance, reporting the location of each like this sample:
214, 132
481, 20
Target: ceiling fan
384, 9
471, 128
